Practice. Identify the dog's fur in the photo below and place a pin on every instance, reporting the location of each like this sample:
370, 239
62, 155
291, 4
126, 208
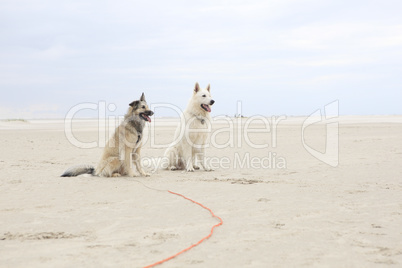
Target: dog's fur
125, 143
186, 151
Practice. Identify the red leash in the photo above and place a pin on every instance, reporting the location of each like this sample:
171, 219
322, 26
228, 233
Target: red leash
199, 242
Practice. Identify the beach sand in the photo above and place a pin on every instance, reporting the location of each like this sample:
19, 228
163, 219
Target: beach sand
288, 210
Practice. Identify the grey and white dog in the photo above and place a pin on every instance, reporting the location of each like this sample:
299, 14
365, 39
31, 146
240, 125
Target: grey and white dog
123, 148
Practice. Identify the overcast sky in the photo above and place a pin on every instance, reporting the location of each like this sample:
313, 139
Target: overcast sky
287, 57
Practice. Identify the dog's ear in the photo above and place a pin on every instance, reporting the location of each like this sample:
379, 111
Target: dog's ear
143, 97
196, 88
208, 87
135, 104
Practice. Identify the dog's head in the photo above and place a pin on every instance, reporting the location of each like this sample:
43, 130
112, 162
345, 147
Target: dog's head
203, 98
140, 108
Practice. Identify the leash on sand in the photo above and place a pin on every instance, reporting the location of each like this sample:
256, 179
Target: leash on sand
195, 244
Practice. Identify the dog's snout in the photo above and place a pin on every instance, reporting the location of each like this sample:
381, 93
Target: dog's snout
149, 112
212, 102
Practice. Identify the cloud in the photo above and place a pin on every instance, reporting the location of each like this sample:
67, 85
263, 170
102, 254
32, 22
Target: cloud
67, 52
31, 111
343, 35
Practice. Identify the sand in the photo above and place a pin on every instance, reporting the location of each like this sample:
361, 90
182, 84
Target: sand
296, 212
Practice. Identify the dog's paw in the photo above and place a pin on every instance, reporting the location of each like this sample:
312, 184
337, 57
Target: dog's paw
172, 168
190, 169
146, 174
131, 173
196, 167
116, 175
209, 169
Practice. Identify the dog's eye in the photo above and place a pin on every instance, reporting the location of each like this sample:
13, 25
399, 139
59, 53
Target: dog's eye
143, 107
204, 96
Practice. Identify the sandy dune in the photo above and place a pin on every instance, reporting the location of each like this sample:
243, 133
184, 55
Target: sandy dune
296, 211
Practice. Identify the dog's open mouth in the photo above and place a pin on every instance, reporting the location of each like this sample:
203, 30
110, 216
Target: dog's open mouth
145, 117
206, 107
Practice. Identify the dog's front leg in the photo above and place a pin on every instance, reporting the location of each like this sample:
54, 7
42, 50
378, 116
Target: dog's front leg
203, 160
137, 161
195, 158
188, 158
128, 161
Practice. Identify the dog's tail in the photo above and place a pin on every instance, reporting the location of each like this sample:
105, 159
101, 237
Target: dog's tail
78, 170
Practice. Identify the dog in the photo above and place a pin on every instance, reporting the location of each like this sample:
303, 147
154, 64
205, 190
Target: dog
126, 142
188, 149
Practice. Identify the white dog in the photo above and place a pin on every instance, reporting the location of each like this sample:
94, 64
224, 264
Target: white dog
188, 147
